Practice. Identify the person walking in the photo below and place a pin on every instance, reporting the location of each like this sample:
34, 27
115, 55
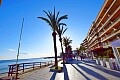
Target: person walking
81, 56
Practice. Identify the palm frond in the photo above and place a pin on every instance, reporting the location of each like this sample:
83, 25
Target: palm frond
54, 21
57, 15
63, 24
54, 14
62, 17
48, 14
64, 31
66, 41
45, 19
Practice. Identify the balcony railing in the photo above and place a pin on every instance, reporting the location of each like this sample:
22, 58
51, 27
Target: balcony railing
106, 12
110, 35
109, 18
104, 25
111, 25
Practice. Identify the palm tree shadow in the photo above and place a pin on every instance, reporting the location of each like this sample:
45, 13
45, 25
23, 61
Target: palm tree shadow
66, 77
92, 73
89, 61
117, 74
81, 72
53, 76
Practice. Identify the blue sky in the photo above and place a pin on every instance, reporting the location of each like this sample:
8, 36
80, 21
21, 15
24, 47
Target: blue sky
37, 39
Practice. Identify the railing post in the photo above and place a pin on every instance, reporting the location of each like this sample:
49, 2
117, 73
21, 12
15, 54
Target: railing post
17, 66
33, 65
51, 61
48, 63
45, 63
9, 70
23, 67
40, 64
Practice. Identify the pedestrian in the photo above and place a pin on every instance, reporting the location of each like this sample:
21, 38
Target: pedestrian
77, 57
81, 57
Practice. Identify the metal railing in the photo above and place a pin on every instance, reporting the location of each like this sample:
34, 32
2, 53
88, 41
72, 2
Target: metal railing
14, 69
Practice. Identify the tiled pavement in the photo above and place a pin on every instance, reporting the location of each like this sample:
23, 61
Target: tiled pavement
75, 70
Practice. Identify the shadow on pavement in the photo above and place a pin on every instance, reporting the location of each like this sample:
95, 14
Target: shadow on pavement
53, 76
92, 73
81, 72
66, 77
74, 61
89, 61
114, 73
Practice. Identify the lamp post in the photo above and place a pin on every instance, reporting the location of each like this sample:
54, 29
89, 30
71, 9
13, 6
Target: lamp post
19, 49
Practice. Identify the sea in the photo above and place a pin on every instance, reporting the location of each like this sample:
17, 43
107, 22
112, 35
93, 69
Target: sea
4, 63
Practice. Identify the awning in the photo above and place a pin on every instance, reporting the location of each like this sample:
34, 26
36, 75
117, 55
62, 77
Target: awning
115, 43
98, 49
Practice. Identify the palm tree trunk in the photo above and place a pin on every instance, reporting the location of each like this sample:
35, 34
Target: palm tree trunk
55, 49
66, 49
62, 49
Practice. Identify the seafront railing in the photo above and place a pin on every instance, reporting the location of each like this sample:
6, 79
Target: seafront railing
20, 68
14, 69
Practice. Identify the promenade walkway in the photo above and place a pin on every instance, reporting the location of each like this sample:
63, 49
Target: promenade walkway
74, 70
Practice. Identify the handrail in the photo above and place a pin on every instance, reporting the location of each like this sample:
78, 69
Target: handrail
24, 66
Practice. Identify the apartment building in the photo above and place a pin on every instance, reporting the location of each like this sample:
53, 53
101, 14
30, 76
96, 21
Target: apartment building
105, 28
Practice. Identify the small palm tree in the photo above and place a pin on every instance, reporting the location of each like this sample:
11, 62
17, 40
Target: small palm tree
82, 48
54, 21
78, 50
66, 43
60, 32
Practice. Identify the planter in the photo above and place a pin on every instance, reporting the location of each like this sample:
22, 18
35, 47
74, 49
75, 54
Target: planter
102, 63
97, 61
107, 64
114, 64
60, 69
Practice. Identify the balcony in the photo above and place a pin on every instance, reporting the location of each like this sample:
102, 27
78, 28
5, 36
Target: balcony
111, 35
106, 12
109, 18
107, 28
95, 43
92, 41
110, 26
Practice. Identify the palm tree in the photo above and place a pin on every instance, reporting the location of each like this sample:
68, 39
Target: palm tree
60, 32
78, 50
82, 48
54, 21
66, 43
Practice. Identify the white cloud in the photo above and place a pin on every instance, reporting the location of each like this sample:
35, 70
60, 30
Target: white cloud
13, 50
2, 58
25, 53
